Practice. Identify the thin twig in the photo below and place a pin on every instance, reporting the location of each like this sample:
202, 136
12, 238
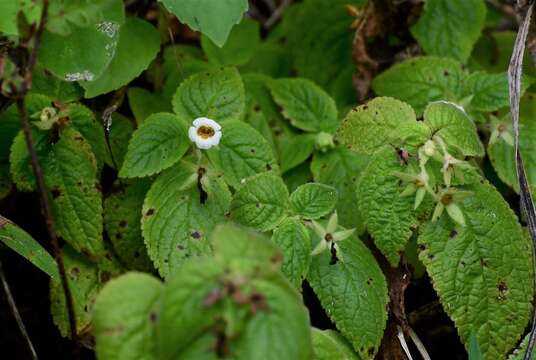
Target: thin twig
276, 15
418, 343
402, 339
19, 96
16, 313
515, 70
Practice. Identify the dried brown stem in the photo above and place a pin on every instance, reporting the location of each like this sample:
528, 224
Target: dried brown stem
16, 315
19, 97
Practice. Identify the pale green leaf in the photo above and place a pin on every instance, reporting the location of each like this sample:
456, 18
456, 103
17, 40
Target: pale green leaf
196, 299
157, 144
450, 28
176, 220
214, 18
244, 249
241, 153
125, 318
23, 244
421, 80
305, 104
454, 126
183, 315
294, 240
482, 271
137, 37
261, 202
352, 291
330, 344
312, 201
389, 217
217, 94
282, 331
381, 121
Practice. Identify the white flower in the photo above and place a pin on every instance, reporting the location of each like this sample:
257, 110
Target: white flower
205, 133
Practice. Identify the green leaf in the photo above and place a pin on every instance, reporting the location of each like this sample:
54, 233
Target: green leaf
305, 104
454, 127
474, 348
294, 240
341, 169
421, 80
156, 145
183, 317
261, 202
244, 249
218, 95
23, 244
66, 15
122, 218
71, 177
125, 318
196, 300
269, 59
137, 37
214, 18
389, 217
19, 160
312, 201
298, 176
294, 150
83, 55
482, 271
85, 279
45, 83
489, 92
314, 48
241, 153
353, 291
450, 27
282, 331
70, 173
329, 344
234, 52
181, 71
83, 120
144, 103
381, 121
176, 221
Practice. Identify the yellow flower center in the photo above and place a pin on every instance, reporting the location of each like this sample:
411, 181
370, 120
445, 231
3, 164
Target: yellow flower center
205, 132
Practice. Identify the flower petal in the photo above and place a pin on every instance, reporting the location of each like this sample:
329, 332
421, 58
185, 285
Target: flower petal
192, 134
203, 121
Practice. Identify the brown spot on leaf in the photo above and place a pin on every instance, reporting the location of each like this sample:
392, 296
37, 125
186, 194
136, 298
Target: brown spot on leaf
123, 223
149, 212
196, 235
56, 193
